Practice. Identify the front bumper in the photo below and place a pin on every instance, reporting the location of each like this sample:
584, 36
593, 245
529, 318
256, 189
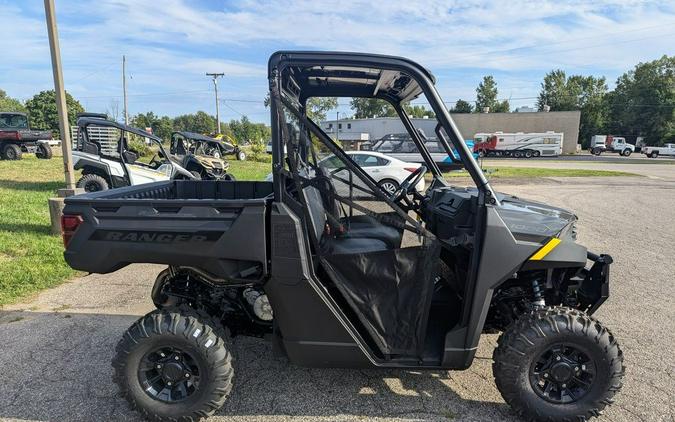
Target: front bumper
594, 289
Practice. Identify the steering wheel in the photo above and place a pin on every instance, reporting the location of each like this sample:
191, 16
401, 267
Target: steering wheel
408, 186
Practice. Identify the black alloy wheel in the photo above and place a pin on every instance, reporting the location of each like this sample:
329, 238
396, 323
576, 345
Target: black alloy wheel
562, 374
169, 374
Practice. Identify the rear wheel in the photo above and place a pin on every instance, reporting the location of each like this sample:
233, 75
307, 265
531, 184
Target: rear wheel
174, 365
12, 152
229, 177
596, 151
558, 364
44, 152
517, 154
536, 153
528, 154
241, 155
92, 183
388, 185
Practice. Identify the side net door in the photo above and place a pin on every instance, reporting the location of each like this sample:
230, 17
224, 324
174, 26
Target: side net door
378, 259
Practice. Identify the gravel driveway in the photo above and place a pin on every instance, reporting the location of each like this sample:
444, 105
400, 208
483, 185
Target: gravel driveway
56, 349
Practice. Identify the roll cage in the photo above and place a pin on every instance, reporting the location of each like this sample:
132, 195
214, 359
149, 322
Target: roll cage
298, 76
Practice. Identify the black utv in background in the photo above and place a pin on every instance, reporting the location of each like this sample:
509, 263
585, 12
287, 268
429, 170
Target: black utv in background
338, 273
17, 138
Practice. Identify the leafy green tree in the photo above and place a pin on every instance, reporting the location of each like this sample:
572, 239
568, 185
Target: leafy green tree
9, 103
486, 97
161, 126
201, 122
44, 115
317, 107
643, 102
462, 106
576, 92
418, 111
245, 131
366, 108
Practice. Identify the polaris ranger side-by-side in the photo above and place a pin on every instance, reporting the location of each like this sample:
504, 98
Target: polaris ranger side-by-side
338, 273
17, 138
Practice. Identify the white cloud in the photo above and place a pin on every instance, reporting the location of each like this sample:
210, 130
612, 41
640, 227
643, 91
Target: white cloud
170, 44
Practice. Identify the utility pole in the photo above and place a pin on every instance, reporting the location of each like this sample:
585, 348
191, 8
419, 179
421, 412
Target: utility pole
60, 94
215, 77
337, 127
124, 88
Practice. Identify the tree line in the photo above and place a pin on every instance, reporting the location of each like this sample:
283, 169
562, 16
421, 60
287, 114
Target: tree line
641, 104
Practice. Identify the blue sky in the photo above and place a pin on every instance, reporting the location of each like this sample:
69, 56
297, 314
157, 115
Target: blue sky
171, 44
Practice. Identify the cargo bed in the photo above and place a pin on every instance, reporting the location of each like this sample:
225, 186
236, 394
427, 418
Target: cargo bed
216, 226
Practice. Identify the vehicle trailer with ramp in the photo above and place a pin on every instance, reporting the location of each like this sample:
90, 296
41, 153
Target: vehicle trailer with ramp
336, 272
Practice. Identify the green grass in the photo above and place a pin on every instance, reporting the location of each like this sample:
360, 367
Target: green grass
533, 172
30, 256
250, 170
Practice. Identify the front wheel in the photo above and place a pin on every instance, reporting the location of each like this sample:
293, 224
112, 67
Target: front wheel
174, 365
241, 155
626, 152
558, 364
654, 154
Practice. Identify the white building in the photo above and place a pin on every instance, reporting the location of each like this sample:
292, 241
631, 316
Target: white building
354, 132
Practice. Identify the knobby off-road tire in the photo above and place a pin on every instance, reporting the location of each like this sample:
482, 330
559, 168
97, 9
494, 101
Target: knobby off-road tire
92, 183
44, 152
12, 152
519, 352
184, 332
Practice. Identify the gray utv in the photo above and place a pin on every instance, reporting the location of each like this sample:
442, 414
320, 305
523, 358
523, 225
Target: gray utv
338, 273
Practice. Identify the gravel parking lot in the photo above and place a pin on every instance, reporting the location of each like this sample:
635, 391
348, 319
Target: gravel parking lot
56, 348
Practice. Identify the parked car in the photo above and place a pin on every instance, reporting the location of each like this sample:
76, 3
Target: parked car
618, 144
108, 153
653, 152
16, 138
388, 172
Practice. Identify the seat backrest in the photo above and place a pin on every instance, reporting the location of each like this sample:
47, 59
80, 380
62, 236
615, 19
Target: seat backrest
317, 212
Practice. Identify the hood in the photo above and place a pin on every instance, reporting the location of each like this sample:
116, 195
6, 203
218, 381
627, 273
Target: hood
534, 221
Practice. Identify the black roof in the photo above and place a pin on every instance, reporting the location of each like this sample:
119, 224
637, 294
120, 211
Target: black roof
13, 113
326, 74
196, 136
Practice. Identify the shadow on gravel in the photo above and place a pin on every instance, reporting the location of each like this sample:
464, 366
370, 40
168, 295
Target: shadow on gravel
57, 367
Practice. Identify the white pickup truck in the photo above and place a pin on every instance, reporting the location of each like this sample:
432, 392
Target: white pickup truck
653, 152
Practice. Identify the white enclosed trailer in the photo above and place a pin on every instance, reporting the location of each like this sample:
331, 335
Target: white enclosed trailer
518, 144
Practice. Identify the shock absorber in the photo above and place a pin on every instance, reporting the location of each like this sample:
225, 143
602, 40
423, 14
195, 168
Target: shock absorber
538, 301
